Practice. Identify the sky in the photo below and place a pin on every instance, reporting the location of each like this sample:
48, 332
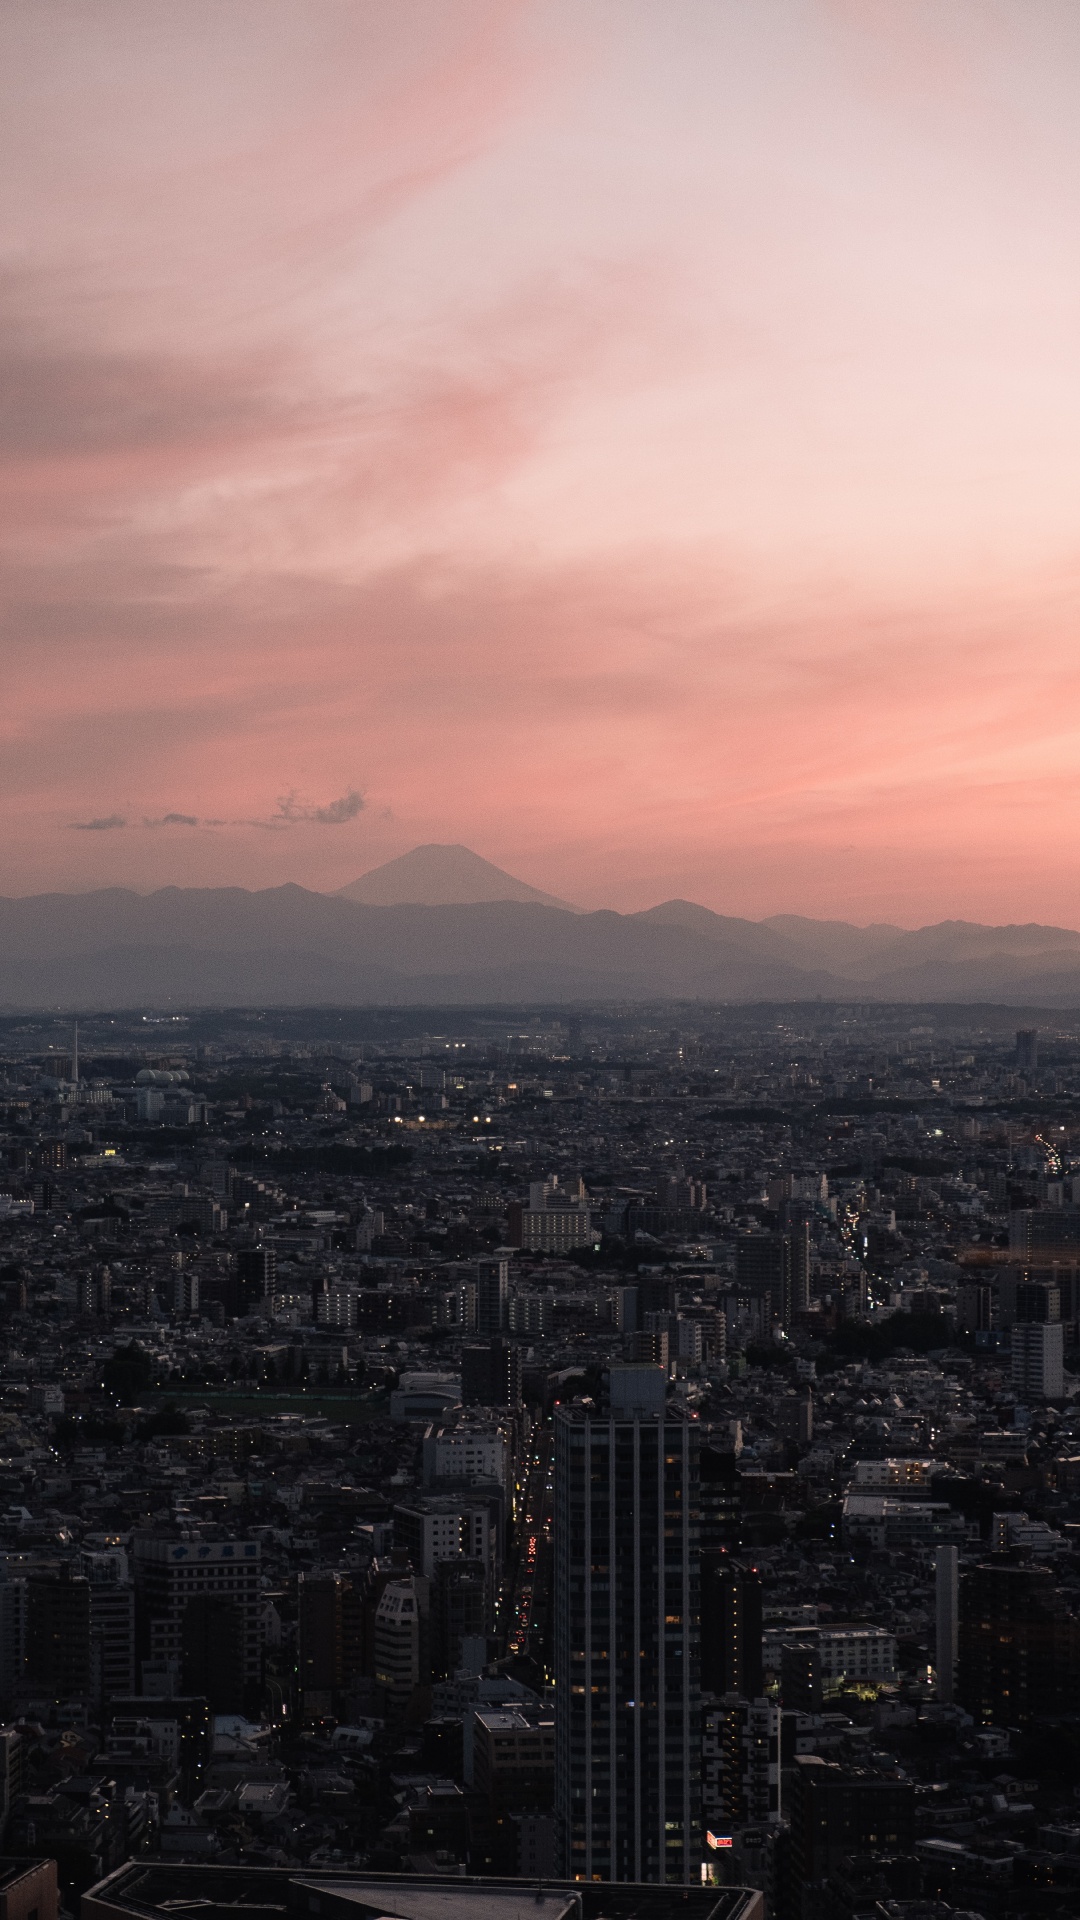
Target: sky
639, 440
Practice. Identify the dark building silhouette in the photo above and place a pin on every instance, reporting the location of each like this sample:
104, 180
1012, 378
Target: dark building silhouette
774, 1269
170, 1576
212, 1652
835, 1812
192, 1719
58, 1658
1019, 1646
492, 1297
800, 1676
330, 1637
256, 1272
720, 1496
459, 1611
731, 1658
627, 1698
1027, 1049
491, 1374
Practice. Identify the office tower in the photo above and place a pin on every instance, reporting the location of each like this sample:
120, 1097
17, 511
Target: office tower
731, 1634
947, 1619
690, 1340
774, 1269
112, 1625
835, 1813
492, 1297
720, 1500
401, 1642
751, 1773
1018, 1647
655, 1294
256, 1272
330, 1636
460, 1617
463, 1455
795, 1417
1038, 1351
186, 1291
796, 1297
1038, 1300
801, 1683
626, 1620
1027, 1049
58, 1635
759, 1268
198, 1614
975, 1307
320, 1639
530, 1314
88, 1292
12, 1637
450, 1526
514, 1757
505, 1374
1039, 1236
556, 1219
650, 1346
13, 1750
491, 1374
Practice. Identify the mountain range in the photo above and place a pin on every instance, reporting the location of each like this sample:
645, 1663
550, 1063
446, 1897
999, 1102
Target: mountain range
441, 926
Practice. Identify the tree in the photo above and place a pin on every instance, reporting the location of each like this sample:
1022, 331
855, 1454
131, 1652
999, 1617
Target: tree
127, 1373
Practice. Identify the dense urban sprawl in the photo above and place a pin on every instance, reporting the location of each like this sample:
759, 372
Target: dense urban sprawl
622, 1444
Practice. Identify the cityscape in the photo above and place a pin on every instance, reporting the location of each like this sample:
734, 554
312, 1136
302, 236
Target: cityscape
632, 1445
539, 960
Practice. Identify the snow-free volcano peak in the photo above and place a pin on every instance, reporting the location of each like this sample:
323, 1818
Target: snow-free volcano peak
442, 876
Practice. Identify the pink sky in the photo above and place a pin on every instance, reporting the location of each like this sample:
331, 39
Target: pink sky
639, 441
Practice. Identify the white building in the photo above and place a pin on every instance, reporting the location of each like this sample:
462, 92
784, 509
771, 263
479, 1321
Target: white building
854, 1654
465, 1453
1038, 1350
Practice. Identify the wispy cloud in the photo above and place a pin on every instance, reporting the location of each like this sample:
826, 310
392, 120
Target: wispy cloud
291, 811
335, 814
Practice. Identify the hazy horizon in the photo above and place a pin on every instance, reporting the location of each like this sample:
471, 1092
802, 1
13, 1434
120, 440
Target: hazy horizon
761, 919
645, 457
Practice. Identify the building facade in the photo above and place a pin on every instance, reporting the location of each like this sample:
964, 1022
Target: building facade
628, 1715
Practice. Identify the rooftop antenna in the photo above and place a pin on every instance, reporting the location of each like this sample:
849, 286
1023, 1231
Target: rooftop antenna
75, 1054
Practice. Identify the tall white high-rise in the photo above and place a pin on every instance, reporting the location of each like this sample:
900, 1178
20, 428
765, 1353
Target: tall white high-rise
1038, 1353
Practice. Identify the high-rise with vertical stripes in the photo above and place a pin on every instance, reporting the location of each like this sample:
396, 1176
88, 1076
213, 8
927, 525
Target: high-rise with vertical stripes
628, 1716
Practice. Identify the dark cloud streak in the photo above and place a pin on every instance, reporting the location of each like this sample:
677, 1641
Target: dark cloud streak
291, 812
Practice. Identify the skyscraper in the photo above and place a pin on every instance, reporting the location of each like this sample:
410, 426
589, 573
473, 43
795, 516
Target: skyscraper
774, 1269
1027, 1049
1019, 1646
731, 1638
627, 1694
1038, 1351
946, 1610
198, 1613
492, 1297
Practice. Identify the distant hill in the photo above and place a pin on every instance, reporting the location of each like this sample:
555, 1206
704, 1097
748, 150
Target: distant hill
438, 876
287, 946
